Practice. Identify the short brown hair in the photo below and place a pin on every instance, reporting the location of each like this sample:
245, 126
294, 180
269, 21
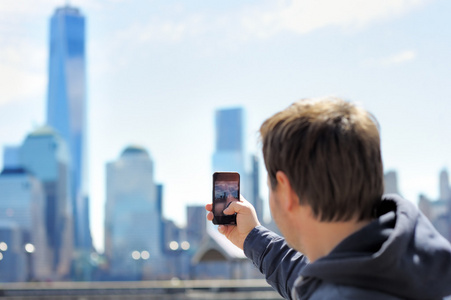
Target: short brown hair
330, 151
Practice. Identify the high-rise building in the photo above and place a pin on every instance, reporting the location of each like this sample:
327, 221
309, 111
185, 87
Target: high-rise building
66, 107
11, 157
25, 250
229, 147
229, 130
445, 189
256, 200
44, 154
196, 225
229, 150
445, 196
439, 211
13, 260
391, 183
132, 216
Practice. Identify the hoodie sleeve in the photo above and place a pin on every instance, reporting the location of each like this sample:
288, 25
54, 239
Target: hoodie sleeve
275, 259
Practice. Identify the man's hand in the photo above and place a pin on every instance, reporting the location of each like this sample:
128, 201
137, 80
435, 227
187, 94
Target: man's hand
246, 220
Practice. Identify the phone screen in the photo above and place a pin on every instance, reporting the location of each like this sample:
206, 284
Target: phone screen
226, 188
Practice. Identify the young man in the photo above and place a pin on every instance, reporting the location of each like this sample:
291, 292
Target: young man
342, 238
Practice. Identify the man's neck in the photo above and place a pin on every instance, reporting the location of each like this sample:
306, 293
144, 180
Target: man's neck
323, 237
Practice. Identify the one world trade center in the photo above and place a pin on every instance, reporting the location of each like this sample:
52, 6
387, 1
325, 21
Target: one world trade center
66, 107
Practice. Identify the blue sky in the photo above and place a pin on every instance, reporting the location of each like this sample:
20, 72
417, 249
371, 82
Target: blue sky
157, 70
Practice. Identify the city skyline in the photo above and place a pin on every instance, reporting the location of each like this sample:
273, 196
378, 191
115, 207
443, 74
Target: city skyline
157, 72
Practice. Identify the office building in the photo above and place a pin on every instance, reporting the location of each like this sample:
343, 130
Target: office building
196, 225
229, 155
11, 157
391, 183
256, 200
44, 154
439, 211
443, 223
13, 261
66, 108
23, 243
132, 217
229, 150
444, 186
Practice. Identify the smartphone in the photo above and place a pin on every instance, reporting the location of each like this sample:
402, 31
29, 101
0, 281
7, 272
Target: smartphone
226, 189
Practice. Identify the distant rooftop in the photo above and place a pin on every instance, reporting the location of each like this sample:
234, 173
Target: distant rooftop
43, 131
68, 10
216, 247
135, 150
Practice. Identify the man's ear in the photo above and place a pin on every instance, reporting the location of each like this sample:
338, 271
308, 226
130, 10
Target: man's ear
287, 196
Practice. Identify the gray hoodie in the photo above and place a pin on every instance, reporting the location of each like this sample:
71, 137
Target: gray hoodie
399, 255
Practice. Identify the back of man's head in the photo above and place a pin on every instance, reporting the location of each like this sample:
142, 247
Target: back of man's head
330, 151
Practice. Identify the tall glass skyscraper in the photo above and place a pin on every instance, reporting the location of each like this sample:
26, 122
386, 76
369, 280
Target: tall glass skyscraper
66, 106
229, 153
256, 200
444, 186
133, 217
229, 130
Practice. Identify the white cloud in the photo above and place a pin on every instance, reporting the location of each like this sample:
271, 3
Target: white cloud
228, 29
23, 57
391, 60
16, 84
132, 42
169, 30
269, 18
16, 8
304, 16
399, 58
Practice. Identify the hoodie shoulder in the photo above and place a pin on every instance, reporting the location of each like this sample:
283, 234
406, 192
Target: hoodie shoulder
346, 292
400, 253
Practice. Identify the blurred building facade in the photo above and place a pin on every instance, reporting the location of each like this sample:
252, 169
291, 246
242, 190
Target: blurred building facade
23, 241
13, 261
196, 228
132, 217
444, 186
229, 145
391, 182
66, 109
44, 154
230, 154
439, 211
256, 200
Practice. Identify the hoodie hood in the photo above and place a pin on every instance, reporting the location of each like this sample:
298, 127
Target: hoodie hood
399, 253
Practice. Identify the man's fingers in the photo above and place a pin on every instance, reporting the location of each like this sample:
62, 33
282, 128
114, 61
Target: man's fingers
234, 207
209, 208
225, 229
